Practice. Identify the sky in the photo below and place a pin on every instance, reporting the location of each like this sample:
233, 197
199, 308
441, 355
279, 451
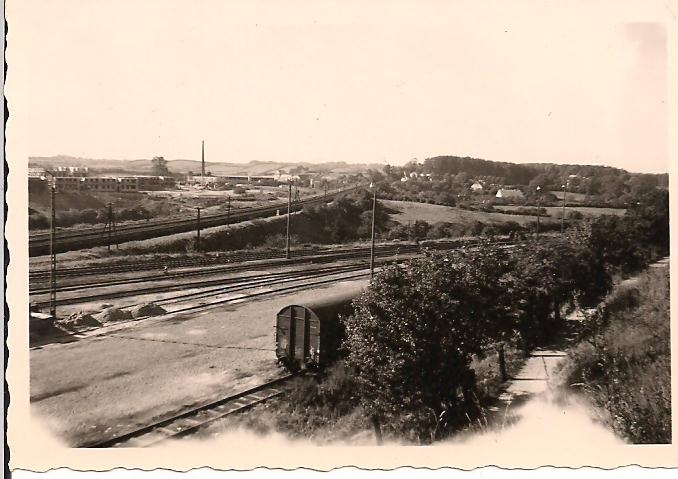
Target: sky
375, 81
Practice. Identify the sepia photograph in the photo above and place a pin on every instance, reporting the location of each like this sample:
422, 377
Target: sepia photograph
339, 233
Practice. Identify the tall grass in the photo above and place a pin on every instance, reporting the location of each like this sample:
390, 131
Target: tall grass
624, 363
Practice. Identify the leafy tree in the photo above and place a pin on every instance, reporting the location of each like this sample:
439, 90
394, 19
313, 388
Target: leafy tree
413, 333
159, 166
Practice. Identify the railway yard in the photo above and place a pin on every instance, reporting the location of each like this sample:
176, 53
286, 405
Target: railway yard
211, 344
204, 350
148, 346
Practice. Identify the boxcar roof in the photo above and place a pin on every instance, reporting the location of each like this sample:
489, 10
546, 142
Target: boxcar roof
331, 302
338, 297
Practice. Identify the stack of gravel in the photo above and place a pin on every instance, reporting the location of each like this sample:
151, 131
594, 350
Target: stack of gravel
149, 309
79, 319
112, 314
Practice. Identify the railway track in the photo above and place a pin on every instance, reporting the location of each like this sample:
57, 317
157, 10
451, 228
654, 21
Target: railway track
67, 241
212, 287
40, 287
229, 258
189, 421
307, 282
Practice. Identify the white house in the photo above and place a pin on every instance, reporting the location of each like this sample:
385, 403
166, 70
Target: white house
477, 187
507, 194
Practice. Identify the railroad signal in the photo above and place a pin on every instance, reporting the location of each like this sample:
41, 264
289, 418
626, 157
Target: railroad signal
52, 248
52, 245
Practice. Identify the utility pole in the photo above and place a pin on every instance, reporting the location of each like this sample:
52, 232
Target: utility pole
562, 220
110, 224
289, 211
52, 251
538, 208
374, 210
197, 242
115, 234
228, 210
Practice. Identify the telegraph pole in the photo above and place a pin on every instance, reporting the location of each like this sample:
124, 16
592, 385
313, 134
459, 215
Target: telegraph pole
52, 251
562, 220
115, 234
228, 210
538, 208
289, 212
197, 242
110, 224
374, 210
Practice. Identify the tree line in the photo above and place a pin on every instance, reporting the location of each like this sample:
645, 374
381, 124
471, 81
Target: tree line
452, 175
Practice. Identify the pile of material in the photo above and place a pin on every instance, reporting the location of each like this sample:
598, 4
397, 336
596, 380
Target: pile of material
112, 314
149, 309
79, 319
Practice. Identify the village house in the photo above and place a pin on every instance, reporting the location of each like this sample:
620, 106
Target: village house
510, 195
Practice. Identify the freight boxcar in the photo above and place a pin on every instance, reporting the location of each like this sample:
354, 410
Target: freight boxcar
308, 336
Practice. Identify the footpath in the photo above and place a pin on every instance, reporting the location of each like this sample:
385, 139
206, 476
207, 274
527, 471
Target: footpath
535, 409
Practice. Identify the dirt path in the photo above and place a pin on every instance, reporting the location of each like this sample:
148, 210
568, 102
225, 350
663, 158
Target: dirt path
535, 408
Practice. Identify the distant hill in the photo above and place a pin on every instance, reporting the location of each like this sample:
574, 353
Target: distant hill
141, 166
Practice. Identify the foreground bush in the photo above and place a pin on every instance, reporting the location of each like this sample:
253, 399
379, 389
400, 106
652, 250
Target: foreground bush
414, 334
624, 364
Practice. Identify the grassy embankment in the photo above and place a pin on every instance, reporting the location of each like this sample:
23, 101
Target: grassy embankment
623, 365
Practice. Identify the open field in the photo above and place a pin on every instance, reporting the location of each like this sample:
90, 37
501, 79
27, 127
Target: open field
587, 211
409, 212
571, 196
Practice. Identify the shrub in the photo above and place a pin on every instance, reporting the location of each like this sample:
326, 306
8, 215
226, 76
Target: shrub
413, 335
624, 364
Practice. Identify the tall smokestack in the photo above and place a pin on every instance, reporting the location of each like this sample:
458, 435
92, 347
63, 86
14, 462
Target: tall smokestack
203, 158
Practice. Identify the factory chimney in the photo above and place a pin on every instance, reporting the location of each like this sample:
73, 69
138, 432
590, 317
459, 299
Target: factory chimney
203, 158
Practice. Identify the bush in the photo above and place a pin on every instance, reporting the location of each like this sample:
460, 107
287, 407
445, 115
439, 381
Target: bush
413, 335
624, 364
